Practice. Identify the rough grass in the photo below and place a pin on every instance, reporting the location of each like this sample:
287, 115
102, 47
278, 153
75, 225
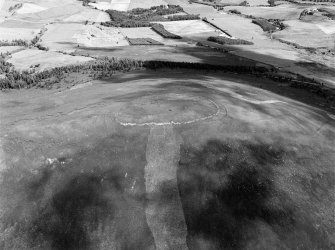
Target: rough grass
227, 188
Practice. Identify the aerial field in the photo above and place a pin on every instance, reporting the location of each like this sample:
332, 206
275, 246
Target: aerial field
9, 34
10, 49
23, 60
165, 145
60, 36
147, 32
100, 37
120, 5
185, 53
145, 3
308, 34
29, 8
286, 12
187, 27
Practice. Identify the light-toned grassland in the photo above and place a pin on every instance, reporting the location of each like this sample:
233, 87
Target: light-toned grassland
10, 49
286, 12
307, 34
60, 36
100, 36
145, 3
29, 8
187, 27
17, 33
23, 60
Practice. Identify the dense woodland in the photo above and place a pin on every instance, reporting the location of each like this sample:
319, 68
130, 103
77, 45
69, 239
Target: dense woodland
143, 17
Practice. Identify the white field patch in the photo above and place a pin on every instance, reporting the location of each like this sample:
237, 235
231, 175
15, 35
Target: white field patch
9, 34
120, 5
23, 60
10, 49
59, 36
187, 27
328, 28
101, 5
89, 15
100, 37
145, 4
258, 2
306, 34
30, 8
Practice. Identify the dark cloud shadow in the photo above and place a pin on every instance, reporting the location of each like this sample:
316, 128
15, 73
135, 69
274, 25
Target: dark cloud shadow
228, 194
91, 199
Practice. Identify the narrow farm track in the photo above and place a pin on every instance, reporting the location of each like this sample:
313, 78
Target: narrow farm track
164, 212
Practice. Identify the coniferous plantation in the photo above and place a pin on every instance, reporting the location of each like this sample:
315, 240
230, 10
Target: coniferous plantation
167, 124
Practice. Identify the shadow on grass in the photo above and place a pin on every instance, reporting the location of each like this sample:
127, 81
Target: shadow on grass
90, 200
228, 196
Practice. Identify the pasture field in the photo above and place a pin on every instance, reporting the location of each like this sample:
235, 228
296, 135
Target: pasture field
42, 60
61, 36
284, 11
308, 34
144, 32
9, 34
100, 37
188, 27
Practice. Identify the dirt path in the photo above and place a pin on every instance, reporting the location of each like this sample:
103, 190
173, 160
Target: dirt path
164, 211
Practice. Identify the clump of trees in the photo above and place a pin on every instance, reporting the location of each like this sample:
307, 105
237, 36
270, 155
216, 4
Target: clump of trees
271, 3
159, 28
235, 12
183, 17
15, 7
86, 2
264, 24
228, 41
5, 67
140, 17
99, 68
330, 13
15, 42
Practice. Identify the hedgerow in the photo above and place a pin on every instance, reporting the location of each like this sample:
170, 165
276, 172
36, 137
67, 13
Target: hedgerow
15, 42
228, 41
183, 17
159, 28
264, 24
143, 41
